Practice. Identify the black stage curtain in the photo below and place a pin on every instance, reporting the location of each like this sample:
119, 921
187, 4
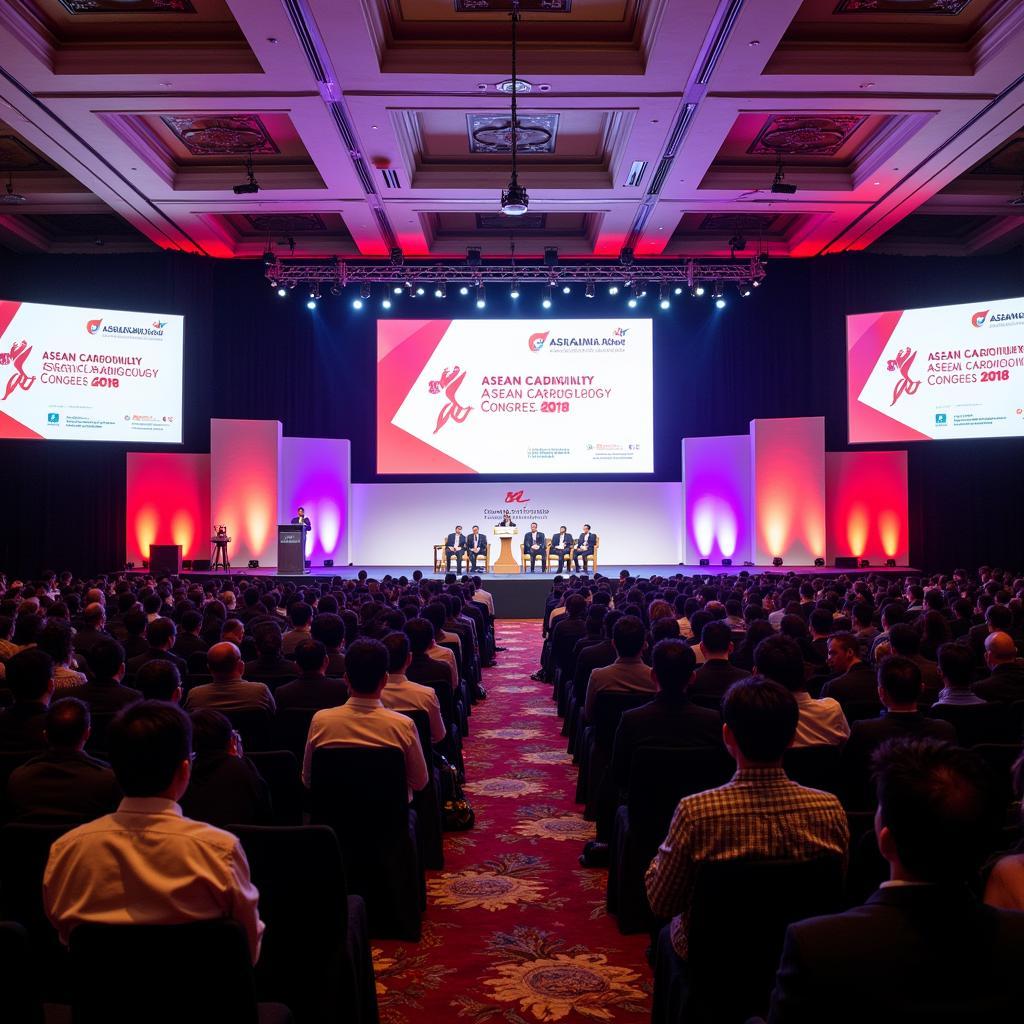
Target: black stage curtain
250, 354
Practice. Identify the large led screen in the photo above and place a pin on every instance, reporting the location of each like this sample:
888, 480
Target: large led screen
514, 396
936, 374
69, 373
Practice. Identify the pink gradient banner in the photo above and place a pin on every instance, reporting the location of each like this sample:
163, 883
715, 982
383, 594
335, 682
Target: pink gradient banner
866, 498
716, 498
168, 503
316, 474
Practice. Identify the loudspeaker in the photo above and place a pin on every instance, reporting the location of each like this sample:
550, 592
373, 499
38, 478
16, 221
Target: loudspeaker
846, 562
200, 565
165, 558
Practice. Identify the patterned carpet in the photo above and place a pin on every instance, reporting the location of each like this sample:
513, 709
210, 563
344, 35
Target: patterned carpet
515, 929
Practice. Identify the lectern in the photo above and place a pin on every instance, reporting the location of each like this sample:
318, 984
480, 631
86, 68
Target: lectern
291, 549
506, 562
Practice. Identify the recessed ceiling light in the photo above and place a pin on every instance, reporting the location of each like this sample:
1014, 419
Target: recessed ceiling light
876, 183
754, 42
272, 39
373, 127
867, 85
521, 86
544, 88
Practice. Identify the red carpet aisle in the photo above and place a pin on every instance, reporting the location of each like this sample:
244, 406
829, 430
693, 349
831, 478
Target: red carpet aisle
515, 929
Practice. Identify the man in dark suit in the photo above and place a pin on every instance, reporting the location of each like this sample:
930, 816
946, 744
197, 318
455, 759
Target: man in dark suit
301, 519
717, 673
899, 689
561, 546
853, 679
188, 641
329, 629
1005, 681
105, 692
922, 948
270, 666
63, 784
160, 635
91, 631
533, 547
671, 719
593, 656
586, 545
454, 547
311, 688
567, 629
476, 547
30, 679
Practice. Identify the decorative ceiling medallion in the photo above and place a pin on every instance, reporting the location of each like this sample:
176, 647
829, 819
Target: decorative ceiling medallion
286, 223
500, 224
1008, 159
16, 156
946, 7
492, 133
221, 134
744, 222
128, 6
800, 135
504, 6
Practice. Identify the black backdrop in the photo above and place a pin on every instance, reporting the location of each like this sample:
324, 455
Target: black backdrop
250, 354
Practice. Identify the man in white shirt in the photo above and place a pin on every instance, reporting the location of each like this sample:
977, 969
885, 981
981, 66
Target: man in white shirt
402, 694
146, 863
364, 721
821, 722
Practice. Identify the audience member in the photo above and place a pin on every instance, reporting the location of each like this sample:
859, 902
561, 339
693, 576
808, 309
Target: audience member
159, 680
854, 679
55, 639
160, 635
312, 688
30, 680
146, 863
105, 693
229, 691
401, 694
628, 673
956, 670
1005, 681
716, 674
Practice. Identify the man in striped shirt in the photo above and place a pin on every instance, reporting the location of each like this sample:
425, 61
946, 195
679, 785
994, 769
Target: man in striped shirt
759, 814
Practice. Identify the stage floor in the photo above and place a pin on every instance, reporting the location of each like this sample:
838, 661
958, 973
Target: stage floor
522, 595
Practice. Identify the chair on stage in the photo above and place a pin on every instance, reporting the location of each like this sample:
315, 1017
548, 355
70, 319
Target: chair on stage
439, 557
591, 558
544, 556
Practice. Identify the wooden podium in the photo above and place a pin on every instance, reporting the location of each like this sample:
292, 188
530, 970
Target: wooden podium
506, 562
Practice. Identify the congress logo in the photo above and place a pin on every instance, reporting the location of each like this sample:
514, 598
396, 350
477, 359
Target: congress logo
449, 382
93, 326
979, 318
159, 325
515, 497
621, 332
19, 352
537, 341
906, 385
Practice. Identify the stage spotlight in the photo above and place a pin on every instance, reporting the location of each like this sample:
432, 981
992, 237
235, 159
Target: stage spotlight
755, 283
481, 297
364, 290
743, 289
719, 303
663, 297
311, 304
819, 562
282, 292
420, 290
514, 291
704, 561
357, 303
269, 259
613, 289
776, 561
397, 289
546, 301
864, 563
890, 563
386, 302
590, 290
631, 302
441, 291
463, 290
566, 289
678, 289
254, 563
698, 290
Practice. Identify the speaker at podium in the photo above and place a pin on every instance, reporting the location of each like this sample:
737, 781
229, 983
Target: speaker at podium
291, 549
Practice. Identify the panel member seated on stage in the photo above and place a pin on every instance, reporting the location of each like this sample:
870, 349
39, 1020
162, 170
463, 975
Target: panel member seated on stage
476, 547
533, 548
454, 547
585, 546
561, 545
301, 519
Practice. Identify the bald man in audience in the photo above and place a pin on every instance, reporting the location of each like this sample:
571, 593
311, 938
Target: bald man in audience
1005, 681
229, 691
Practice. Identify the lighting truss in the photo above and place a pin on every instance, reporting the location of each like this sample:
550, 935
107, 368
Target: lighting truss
689, 272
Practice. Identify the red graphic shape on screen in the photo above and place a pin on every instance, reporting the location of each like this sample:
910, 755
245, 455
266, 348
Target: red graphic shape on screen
906, 385
537, 341
450, 382
20, 351
979, 318
515, 497
93, 326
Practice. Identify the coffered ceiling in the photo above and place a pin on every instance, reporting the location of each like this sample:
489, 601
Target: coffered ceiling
654, 124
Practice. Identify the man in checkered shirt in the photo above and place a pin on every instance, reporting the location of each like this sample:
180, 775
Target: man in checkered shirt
760, 814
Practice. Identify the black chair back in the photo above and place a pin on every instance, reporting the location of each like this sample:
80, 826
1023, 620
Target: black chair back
659, 777
816, 767
255, 727
360, 791
979, 723
422, 721
99, 723
608, 709
857, 710
11, 759
212, 973
21, 998
279, 769
291, 727
738, 921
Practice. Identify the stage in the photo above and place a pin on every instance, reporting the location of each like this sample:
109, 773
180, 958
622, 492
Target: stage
522, 596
